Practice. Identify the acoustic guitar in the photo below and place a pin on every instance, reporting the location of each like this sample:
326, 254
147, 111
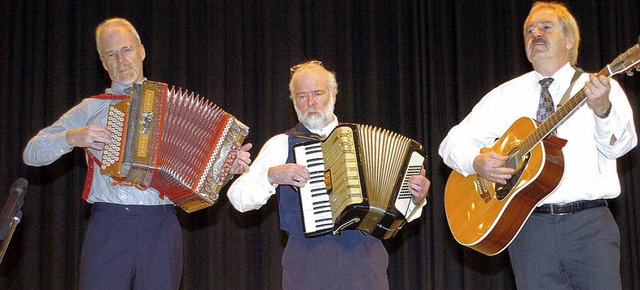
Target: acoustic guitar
487, 216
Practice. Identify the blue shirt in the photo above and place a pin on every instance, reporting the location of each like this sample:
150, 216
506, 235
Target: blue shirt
51, 143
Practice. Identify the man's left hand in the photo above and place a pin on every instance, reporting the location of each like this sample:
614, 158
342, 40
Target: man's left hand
597, 92
419, 186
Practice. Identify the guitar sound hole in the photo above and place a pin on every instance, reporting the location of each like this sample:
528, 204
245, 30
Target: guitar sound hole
502, 191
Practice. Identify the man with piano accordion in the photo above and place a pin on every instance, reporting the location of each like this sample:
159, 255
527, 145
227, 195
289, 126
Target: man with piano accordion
352, 258
133, 239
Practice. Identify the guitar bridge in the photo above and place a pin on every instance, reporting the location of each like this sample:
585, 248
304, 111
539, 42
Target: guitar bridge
482, 187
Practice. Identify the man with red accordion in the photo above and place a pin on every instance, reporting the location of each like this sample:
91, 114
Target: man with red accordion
352, 259
133, 239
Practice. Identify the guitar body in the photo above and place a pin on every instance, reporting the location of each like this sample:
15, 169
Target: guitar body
486, 216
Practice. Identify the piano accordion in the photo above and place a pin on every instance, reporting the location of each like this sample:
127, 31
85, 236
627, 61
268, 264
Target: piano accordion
359, 176
173, 141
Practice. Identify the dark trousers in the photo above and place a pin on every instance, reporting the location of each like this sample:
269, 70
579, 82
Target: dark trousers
572, 251
132, 247
329, 266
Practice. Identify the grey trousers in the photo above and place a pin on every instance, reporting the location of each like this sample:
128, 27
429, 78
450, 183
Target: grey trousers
572, 251
329, 266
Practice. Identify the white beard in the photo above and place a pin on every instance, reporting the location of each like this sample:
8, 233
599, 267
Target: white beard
318, 121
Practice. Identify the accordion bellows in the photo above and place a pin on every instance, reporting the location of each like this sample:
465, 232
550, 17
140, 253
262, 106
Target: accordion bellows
173, 141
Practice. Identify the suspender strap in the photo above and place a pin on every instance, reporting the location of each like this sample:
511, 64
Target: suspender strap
92, 160
567, 93
111, 97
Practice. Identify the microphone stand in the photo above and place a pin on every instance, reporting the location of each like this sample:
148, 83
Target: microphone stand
11, 213
15, 219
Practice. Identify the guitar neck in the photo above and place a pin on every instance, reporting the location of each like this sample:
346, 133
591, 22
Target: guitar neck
557, 118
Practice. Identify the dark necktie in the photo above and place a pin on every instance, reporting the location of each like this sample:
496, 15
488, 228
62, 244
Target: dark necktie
545, 108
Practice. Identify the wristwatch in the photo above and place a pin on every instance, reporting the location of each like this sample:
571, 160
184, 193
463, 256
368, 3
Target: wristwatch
606, 112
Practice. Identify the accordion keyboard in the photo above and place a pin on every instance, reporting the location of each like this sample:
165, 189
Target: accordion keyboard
116, 124
315, 203
112, 150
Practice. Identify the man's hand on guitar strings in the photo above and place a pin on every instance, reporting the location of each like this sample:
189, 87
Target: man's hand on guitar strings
490, 165
597, 91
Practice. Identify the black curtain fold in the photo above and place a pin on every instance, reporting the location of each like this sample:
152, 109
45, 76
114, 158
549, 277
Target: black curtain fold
414, 67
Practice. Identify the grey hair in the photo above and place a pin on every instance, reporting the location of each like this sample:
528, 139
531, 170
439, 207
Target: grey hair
568, 22
115, 22
332, 84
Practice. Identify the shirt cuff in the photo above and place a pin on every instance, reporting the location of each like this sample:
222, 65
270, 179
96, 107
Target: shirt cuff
59, 142
605, 127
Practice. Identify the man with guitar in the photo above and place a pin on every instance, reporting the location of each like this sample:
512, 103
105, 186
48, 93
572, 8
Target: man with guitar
542, 188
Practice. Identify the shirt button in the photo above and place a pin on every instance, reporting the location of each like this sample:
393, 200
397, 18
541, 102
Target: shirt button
127, 209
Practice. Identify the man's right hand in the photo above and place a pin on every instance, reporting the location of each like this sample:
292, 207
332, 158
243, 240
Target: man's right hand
490, 165
92, 136
289, 174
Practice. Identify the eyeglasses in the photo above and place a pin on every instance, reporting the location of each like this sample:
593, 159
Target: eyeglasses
296, 67
125, 50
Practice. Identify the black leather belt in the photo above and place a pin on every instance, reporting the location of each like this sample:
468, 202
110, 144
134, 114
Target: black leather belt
571, 207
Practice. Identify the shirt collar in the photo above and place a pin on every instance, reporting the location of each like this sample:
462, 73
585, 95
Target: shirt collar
118, 89
563, 75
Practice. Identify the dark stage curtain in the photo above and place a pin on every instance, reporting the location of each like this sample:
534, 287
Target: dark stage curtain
415, 67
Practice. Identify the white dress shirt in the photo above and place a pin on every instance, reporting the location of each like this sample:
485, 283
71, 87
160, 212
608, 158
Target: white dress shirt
589, 160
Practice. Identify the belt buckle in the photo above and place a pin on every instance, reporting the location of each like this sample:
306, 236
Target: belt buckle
560, 210
551, 211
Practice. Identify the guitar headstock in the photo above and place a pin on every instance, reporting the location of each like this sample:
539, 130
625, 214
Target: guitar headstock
626, 61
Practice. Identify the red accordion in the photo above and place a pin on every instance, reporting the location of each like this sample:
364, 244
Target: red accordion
173, 141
